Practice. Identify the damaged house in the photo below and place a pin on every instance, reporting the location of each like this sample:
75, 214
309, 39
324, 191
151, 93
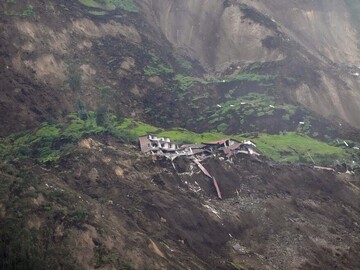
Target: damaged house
164, 147
160, 146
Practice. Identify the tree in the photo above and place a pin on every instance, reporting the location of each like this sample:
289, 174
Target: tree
82, 110
102, 116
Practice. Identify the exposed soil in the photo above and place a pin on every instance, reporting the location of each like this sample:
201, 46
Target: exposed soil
147, 212
63, 55
104, 205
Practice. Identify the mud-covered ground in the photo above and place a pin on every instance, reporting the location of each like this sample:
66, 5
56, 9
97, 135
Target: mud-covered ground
107, 206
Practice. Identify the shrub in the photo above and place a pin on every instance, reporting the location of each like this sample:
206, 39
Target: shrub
157, 70
78, 216
82, 110
102, 116
74, 78
222, 127
123, 135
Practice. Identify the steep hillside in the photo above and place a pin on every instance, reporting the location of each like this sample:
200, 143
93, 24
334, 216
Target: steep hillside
104, 205
160, 61
316, 36
220, 33
81, 80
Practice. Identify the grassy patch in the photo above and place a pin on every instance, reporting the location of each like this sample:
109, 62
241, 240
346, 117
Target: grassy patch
48, 143
294, 147
109, 5
289, 146
252, 104
157, 70
138, 128
177, 134
184, 63
183, 135
157, 67
185, 82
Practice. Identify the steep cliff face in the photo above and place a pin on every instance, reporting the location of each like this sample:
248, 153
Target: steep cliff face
221, 34
171, 57
215, 32
326, 28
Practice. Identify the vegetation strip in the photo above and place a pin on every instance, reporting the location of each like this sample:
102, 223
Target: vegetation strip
50, 141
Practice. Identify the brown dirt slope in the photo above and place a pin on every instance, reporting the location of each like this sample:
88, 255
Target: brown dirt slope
64, 53
112, 207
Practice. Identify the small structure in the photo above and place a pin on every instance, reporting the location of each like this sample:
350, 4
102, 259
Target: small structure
154, 145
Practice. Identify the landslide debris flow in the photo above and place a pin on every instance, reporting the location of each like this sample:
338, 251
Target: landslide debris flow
289, 68
114, 207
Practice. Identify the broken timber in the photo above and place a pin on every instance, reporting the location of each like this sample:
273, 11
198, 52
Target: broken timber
205, 171
163, 147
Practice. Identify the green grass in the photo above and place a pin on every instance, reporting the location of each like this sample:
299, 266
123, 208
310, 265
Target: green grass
185, 82
183, 135
255, 104
138, 128
177, 134
291, 147
109, 5
294, 147
48, 143
184, 63
157, 67
157, 70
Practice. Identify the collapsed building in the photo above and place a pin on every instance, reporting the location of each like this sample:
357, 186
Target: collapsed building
160, 146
